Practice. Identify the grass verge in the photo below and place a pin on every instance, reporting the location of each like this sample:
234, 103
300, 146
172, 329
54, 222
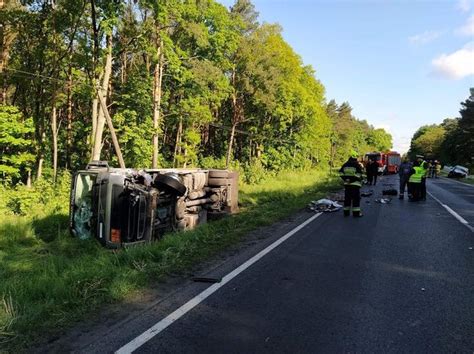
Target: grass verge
50, 280
468, 180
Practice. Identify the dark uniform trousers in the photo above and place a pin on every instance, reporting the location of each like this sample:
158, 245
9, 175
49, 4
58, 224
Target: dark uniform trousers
403, 183
352, 198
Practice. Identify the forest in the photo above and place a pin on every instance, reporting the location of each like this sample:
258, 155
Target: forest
452, 141
185, 83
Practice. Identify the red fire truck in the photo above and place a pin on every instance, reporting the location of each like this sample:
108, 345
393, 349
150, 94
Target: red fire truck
388, 162
392, 161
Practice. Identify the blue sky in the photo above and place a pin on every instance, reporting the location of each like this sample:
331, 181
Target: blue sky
400, 64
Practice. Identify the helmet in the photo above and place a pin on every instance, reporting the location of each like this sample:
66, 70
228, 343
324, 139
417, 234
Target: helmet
354, 154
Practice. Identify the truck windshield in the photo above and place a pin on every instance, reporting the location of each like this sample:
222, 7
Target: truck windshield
82, 207
394, 160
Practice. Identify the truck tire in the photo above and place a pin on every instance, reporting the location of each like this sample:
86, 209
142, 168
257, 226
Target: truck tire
218, 174
217, 182
170, 183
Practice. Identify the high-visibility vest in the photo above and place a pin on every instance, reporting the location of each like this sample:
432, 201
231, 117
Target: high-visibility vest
418, 175
351, 173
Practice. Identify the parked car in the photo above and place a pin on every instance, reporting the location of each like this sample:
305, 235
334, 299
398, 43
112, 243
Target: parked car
458, 172
120, 206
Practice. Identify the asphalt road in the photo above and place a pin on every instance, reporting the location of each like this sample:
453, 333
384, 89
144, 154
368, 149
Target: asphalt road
457, 195
400, 279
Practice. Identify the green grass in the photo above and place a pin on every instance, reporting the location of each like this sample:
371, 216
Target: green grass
50, 280
469, 180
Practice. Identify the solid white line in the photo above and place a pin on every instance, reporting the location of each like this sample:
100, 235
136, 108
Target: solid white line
168, 320
453, 213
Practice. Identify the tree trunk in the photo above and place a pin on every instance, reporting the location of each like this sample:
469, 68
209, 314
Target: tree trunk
103, 91
69, 120
54, 132
39, 170
95, 106
6, 39
28, 180
157, 80
229, 149
178, 142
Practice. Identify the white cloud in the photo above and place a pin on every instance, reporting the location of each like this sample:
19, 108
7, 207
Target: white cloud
455, 65
468, 28
425, 37
464, 5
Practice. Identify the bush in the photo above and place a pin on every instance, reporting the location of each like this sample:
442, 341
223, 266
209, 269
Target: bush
43, 197
255, 172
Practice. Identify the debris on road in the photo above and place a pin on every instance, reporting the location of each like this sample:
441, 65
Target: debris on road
206, 280
390, 191
338, 197
324, 205
383, 200
367, 194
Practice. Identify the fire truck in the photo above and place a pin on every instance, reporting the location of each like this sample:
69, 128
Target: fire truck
392, 161
388, 162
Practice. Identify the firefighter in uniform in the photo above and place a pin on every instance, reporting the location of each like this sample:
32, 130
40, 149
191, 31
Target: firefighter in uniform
351, 173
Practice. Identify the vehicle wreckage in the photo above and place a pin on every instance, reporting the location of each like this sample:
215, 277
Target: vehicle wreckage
123, 206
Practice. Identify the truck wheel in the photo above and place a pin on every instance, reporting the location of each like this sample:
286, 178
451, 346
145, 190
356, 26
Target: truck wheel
218, 174
217, 182
170, 183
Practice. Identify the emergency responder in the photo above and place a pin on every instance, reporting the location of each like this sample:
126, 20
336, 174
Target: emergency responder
414, 183
437, 169
372, 170
425, 166
351, 173
404, 172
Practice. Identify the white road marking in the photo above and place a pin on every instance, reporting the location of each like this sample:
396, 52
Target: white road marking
168, 320
453, 213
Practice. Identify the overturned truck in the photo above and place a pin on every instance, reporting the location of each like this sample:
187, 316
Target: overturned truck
121, 206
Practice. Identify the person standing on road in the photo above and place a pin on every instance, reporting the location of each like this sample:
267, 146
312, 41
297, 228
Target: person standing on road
437, 169
351, 173
430, 168
404, 172
425, 166
414, 183
372, 170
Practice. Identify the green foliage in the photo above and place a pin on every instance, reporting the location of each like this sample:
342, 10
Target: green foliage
220, 68
350, 134
43, 197
379, 139
428, 142
452, 141
15, 144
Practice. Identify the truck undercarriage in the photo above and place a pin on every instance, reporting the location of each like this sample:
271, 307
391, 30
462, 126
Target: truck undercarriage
121, 207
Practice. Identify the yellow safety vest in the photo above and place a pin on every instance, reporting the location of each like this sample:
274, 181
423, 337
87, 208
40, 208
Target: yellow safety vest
418, 175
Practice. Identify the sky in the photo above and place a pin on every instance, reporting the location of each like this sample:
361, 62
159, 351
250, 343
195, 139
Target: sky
400, 64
